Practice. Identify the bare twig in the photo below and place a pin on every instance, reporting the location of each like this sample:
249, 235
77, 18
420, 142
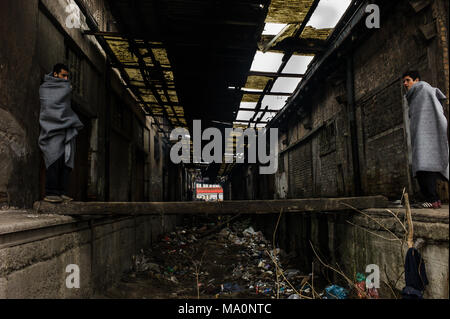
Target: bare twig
375, 234
373, 219
312, 279
197, 266
398, 219
284, 277
350, 282
410, 240
274, 253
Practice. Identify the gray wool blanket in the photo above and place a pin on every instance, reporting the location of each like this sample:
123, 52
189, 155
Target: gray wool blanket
59, 123
428, 129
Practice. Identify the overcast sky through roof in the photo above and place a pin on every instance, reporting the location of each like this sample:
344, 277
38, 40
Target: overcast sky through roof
274, 102
298, 64
244, 115
273, 28
285, 85
267, 62
328, 13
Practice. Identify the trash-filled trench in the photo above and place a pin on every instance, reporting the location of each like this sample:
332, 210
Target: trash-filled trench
212, 259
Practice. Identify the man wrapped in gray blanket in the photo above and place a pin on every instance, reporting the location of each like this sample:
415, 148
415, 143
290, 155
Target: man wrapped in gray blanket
429, 142
59, 128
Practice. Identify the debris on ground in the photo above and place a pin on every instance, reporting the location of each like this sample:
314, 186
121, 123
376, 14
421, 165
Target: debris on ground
335, 292
235, 261
364, 291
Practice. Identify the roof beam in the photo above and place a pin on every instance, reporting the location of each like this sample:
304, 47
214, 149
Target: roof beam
275, 74
305, 46
250, 122
149, 85
150, 68
262, 93
196, 20
252, 110
92, 24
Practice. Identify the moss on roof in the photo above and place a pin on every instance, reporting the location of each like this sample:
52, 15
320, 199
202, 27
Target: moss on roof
257, 82
288, 11
251, 98
313, 33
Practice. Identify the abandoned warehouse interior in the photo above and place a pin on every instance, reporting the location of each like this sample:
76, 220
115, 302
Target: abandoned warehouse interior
331, 85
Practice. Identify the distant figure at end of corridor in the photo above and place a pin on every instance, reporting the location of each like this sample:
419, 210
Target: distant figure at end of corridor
59, 128
429, 142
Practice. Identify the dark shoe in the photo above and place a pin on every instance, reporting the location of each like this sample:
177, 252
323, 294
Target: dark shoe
66, 198
53, 199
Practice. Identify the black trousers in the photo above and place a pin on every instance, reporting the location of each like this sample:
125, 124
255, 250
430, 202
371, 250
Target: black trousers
427, 182
57, 178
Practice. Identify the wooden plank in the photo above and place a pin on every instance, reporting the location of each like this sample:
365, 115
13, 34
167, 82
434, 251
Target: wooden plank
212, 208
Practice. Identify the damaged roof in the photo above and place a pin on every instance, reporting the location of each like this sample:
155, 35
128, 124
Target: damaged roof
218, 61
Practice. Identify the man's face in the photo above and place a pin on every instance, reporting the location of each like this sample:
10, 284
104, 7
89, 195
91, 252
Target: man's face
64, 75
408, 82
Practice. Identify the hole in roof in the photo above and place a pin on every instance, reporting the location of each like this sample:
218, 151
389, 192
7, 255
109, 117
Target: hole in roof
244, 115
298, 64
328, 13
286, 85
267, 62
274, 102
268, 116
273, 28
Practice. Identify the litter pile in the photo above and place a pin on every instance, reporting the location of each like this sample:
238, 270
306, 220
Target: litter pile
216, 260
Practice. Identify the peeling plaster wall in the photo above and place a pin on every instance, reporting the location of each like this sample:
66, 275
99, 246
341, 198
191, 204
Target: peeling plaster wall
19, 105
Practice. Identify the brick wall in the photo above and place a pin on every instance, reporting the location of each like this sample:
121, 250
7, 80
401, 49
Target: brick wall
380, 58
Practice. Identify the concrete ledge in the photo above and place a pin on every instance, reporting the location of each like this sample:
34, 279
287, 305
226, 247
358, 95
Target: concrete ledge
421, 215
19, 220
36, 249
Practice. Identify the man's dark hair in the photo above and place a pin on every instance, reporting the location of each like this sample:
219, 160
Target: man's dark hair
59, 67
413, 74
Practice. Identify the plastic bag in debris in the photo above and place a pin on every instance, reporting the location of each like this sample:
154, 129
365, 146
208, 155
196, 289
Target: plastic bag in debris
289, 273
173, 279
249, 231
360, 277
142, 264
335, 292
373, 293
363, 291
294, 296
306, 289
